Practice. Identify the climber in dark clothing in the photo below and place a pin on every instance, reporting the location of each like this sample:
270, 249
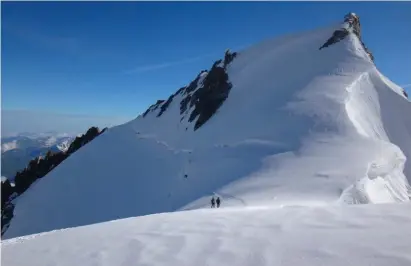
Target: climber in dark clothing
212, 202
218, 202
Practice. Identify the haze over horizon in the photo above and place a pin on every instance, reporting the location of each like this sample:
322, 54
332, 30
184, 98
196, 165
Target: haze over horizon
16, 122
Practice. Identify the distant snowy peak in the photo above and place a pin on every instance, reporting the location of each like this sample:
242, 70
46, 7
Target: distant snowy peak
59, 143
201, 99
8, 146
25, 141
64, 145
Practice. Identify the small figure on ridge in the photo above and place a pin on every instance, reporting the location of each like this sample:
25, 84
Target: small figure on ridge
218, 202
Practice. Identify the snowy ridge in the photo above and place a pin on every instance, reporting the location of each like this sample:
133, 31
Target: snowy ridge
290, 124
17, 151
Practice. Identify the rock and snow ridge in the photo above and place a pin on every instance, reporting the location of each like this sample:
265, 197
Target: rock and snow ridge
35, 170
18, 150
280, 123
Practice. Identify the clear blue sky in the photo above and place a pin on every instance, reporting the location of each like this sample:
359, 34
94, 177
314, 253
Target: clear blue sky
115, 59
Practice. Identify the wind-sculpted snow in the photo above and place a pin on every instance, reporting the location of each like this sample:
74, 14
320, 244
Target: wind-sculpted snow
298, 126
377, 235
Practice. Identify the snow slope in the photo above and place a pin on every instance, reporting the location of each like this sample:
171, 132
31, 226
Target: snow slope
301, 126
377, 235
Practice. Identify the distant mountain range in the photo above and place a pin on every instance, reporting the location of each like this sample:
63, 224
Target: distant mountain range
18, 150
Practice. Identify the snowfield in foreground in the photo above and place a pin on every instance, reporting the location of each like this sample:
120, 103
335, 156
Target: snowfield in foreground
360, 235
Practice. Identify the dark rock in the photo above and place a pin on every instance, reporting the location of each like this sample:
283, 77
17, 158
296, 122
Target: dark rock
7, 213
184, 104
354, 22
208, 98
165, 105
39, 167
338, 35
153, 107
169, 100
6, 191
187, 90
228, 57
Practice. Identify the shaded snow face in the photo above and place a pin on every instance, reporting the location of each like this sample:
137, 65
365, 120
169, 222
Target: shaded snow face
300, 126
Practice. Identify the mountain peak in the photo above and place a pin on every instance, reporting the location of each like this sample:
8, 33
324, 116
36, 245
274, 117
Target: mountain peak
352, 25
279, 123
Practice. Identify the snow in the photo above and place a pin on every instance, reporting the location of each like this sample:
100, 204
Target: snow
50, 141
17, 151
301, 127
9, 146
64, 145
377, 235
24, 141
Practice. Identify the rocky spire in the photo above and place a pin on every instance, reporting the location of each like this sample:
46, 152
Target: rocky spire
351, 25
354, 22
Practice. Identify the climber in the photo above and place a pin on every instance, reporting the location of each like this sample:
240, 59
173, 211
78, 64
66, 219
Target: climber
218, 202
212, 202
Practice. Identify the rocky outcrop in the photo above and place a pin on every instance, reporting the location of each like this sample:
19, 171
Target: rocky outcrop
351, 24
188, 92
6, 191
39, 166
338, 35
354, 21
210, 96
153, 107
165, 105
6, 216
201, 99
206, 98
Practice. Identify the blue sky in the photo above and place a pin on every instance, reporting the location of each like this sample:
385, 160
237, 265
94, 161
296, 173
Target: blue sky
113, 59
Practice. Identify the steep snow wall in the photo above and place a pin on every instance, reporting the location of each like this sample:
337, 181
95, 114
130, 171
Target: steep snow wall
294, 125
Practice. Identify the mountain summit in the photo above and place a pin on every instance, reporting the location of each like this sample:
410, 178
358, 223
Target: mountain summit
304, 119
